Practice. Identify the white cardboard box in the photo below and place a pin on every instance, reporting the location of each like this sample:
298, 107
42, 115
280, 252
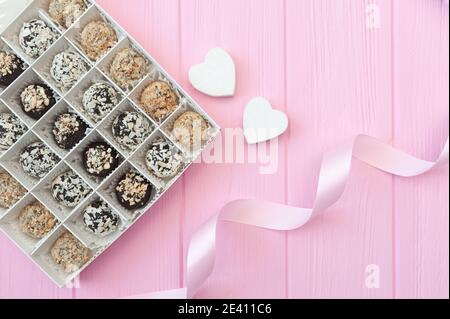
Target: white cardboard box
38, 70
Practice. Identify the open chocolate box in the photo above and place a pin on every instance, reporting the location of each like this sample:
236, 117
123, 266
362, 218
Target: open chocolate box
70, 101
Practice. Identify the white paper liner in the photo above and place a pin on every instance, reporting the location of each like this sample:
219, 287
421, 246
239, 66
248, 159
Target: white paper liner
155, 75
75, 96
5, 110
34, 11
11, 96
43, 191
10, 225
45, 6
44, 127
108, 192
71, 102
11, 160
167, 128
105, 64
5, 47
105, 128
139, 161
92, 15
42, 256
43, 65
4, 211
77, 226
75, 159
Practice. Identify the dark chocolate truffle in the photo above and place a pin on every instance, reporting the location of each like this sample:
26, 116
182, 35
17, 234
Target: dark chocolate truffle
130, 129
99, 100
69, 130
100, 219
69, 189
11, 67
36, 100
133, 191
11, 129
37, 160
36, 37
100, 159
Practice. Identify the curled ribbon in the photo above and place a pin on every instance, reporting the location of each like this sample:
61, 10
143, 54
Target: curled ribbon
333, 177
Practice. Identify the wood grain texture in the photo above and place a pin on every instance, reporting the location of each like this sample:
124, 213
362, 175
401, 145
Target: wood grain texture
421, 84
147, 258
206, 24
319, 62
338, 86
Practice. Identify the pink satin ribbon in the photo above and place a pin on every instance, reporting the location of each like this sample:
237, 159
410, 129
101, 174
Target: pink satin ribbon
333, 177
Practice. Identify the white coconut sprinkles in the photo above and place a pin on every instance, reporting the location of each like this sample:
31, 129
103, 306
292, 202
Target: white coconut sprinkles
100, 219
69, 189
36, 37
99, 100
67, 68
130, 129
100, 159
37, 160
11, 129
163, 159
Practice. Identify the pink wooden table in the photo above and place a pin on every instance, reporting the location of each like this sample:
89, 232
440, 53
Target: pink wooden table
336, 71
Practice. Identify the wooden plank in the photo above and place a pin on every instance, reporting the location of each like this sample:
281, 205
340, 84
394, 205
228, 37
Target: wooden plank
251, 263
421, 125
147, 258
338, 85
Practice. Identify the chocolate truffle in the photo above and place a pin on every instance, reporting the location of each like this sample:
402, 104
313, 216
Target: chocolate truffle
69, 189
69, 253
36, 100
190, 130
37, 160
11, 129
159, 100
128, 66
36, 37
67, 68
100, 219
97, 38
66, 12
100, 159
10, 190
69, 130
11, 67
133, 191
99, 100
36, 221
130, 129
163, 159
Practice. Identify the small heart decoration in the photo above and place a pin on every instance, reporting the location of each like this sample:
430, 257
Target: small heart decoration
263, 123
216, 76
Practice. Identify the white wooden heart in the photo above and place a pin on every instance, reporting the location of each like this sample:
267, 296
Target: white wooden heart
263, 123
216, 76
